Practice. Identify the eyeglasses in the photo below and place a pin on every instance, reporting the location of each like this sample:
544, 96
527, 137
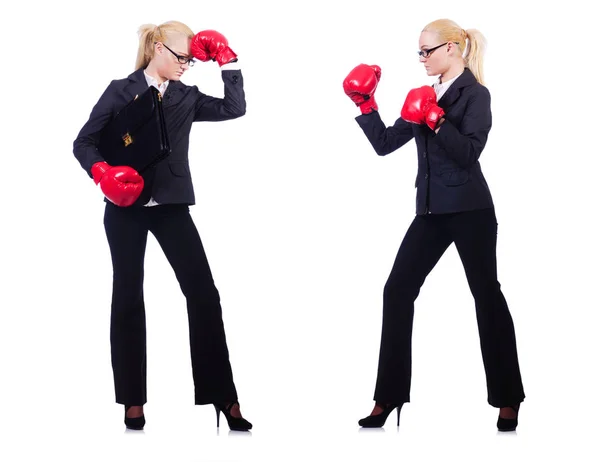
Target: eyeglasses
427, 53
181, 59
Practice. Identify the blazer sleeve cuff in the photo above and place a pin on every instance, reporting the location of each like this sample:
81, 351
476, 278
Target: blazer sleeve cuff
235, 66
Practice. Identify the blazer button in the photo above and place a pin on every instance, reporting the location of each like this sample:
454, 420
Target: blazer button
424, 153
235, 79
426, 175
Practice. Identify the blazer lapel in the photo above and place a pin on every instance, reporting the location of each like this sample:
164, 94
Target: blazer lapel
453, 93
450, 96
137, 84
173, 94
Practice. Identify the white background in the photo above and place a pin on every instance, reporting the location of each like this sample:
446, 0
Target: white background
301, 221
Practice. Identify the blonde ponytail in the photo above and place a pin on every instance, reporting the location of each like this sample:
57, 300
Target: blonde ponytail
146, 46
474, 58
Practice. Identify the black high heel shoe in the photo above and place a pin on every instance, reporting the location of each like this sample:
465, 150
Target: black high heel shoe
374, 421
509, 425
134, 423
235, 423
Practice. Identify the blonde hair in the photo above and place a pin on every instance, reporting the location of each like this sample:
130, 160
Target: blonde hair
449, 31
149, 34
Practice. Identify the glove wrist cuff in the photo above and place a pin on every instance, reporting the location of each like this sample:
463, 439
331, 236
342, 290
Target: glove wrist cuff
434, 114
226, 56
98, 171
368, 106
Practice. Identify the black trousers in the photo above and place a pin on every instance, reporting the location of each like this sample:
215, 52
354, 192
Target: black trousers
474, 234
127, 231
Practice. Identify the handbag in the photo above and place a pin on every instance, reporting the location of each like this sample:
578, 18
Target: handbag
137, 135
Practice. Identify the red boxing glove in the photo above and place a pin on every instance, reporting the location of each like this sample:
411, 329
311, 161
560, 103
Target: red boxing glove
360, 86
210, 44
121, 185
421, 107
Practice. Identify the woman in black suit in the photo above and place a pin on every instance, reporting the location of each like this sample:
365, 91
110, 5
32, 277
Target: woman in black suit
159, 202
450, 124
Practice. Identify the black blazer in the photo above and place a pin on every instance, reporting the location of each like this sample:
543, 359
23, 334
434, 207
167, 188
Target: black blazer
170, 182
449, 177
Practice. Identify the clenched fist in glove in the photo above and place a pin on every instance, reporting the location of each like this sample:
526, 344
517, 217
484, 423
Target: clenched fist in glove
421, 107
210, 44
121, 185
360, 85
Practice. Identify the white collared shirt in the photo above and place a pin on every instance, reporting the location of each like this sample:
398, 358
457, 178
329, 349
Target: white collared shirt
441, 87
154, 83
